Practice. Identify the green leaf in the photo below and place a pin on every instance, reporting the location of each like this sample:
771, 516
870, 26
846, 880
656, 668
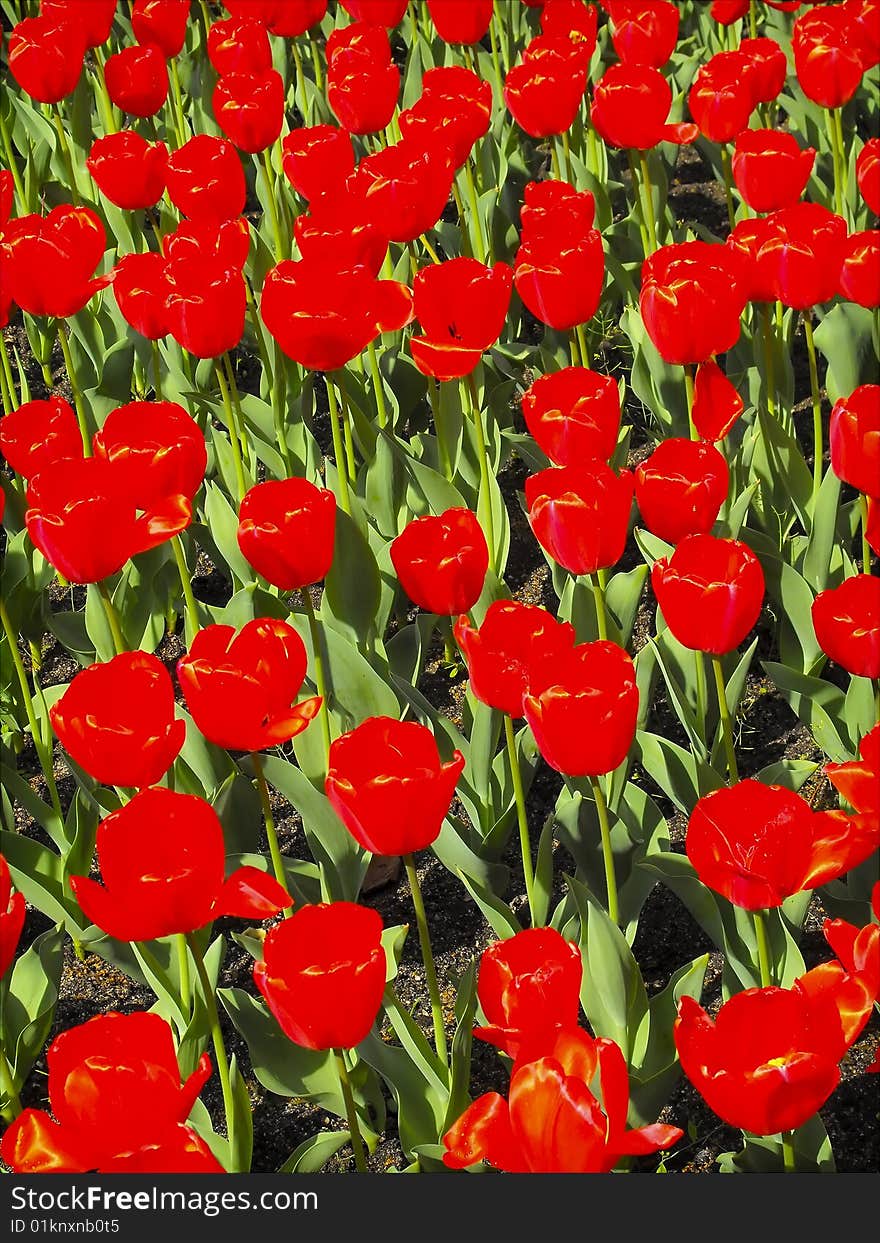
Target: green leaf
684, 779
312, 1154
29, 1003
352, 586
819, 704
844, 338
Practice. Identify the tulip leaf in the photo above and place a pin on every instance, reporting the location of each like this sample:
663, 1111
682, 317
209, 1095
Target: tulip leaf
313, 1153
499, 916
542, 890
241, 1146
819, 704
38, 873
421, 1106
679, 775
28, 1004
844, 338
352, 588
655, 1069
763, 1154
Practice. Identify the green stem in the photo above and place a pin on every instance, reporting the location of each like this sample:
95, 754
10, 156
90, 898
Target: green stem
110, 126
12, 1108
484, 472
760, 922
728, 184
233, 430
273, 206
496, 64
271, 832
837, 147
648, 199
502, 42
753, 20
581, 333
599, 597
44, 756
357, 1141
177, 104
378, 388
77, 395
554, 161
191, 611
689, 390
522, 818
702, 695
640, 199
300, 82
726, 724
217, 1040
767, 322
157, 369
435, 258
350, 459
427, 958
789, 1160
183, 973
566, 155
338, 451
8, 403
817, 405
866, 547
577, 358
65, 154
607, 853
320, 680
7, 372
112, 618
480, 249
316, 66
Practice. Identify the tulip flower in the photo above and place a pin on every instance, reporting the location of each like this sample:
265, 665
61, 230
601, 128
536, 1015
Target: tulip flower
860, 271
116, 720
240, 686
404, 188
206, 180
858, 949
580, 514
770, 169
859, 780
454, 109
161, 23
142, 295
363, 82
286, 530
573, 415
677, 283
50, 260
45, 56
573, 20
552, 207
228, 241
460, 23
162, 857
529, 989
560, 281
205, 302
710, 592
239, 45
721, 98
94, 18
381, 12
288, 19
756, 270
441, 561
630, 108
389, 787
846, 620
317, 159
84, 521
868, 174
804, 251
128, 170
335, 235
769, 68
544, 91
157, 450
829, 55
137, 80
249, 108
855, 439
643, 32
717, 405
38, 433
758, 844
680, 489
12, 913
461, 305
114, 1086
551, 1122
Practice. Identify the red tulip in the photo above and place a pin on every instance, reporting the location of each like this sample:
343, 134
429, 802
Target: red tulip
769, 68
240, 686
722, 96
630, 108
404, 188
461, 305
94, 18
846, 620
529, 989
680, 489
829, 55
643, 32
45, 56
322, 317
573, 415
803, 253
116, 720
552, 1123
868, 174
163, 861
551, 208
336, 236
286, 529
544, 91
582, 708
323, 974
862, 17
580, 514
859, 780
239, 45
460, 23
83, 520
860, 271
770, 169
40, 432
249, 108
389, 786
141, 294
12, 913
500, 653
382, 12
441, 562
114, 1086
156, 448
560, 283
726, 12
161, 23
855, 439
758, 844
678, 282
50, 260
206, 303
572, 19
454, 110
363, 82
317, 159
710, 592
717, 405
128, 170
137, 80
286, 18
228, 241
206, 179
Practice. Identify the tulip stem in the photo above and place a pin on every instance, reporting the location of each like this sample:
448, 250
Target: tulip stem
435, 258
112, 618
350, 459
763, 950
77, 395
378, 389
357, 1141
7, 372
12, 1108
300, 82
44, 755
183, 973
65, 154
817, 405
607, 852
753, 20
702, 695
522, 818
866, 547
271, 832
768, 359
157, 369
320, 682
191, 612
839, 162
789, 1161
338, 452
728, 185
233, 430
554, 161
581, 333
440, 429
502, 42
484, 472
273, 206
316, 66
639, 197
217, 1040
598, 587
726, 724
648, 199
480, 249
689, 390
177, 103
496, 64
427, 958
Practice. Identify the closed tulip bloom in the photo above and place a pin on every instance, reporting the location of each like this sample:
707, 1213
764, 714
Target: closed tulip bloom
710, 592
335, 235
286, 529
462, 305
286, 18
93, 17
128, 170
643, 33
323, 317
228, 241
50, 260
389, 786
846, 620
770, 169
561, 283
680, 489
137, 80
156, 448
323, 974
717, 405
678, 282
544, 91
769, 65
829, 55
722, 98
868, 174
859, 780
758, 844
382, 12
855, 439
163, 858
454, 109
83, 520
12, 913
40, 432
161, 23
115, 1090
116, 720
551, 1122
141, 294
206, 303
529, 989
460, 23
404, 188
239, 45
500, 653
757, 269
803, 253
249, 108
573, 19
240, 686
552, 209
317, 159
582, 708
580, 514
363, 83
441, 561
45, 56
206, 180
573, 415
860, 271
631, 106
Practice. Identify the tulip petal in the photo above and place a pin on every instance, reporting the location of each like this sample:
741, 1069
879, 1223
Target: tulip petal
34, 1144
717, 404
251, 894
